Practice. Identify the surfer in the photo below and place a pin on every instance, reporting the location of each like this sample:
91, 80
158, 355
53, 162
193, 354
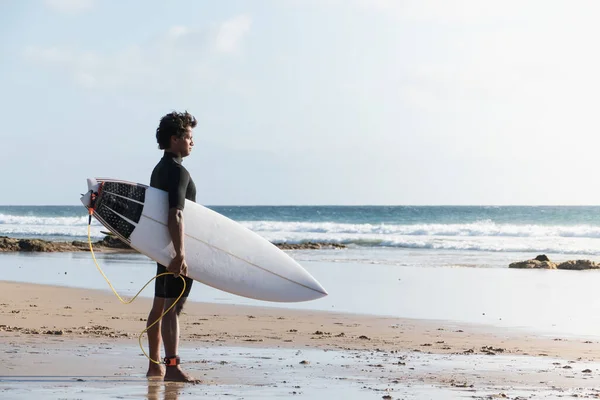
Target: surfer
175, 136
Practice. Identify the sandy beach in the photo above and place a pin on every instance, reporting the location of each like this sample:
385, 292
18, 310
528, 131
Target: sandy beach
56, 339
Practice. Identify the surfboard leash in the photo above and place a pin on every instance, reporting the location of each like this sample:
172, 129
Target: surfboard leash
89, 231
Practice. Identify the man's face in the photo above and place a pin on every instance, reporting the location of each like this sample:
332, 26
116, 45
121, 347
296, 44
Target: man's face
183, 146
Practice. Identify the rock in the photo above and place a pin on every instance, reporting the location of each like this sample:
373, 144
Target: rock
530, 264
33, 245
114, 243
543, 262
579, 265
110, 242
8, 244
37, 245
309, 246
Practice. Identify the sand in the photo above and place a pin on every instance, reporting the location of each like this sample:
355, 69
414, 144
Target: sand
55, 341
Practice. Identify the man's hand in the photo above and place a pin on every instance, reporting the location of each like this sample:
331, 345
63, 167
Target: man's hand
178, 266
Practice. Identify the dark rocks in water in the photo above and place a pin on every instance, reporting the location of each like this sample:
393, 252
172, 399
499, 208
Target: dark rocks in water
112, 243
32, 245
35, 245
8, 244
533, 264
543, 262
309, 246
579, 265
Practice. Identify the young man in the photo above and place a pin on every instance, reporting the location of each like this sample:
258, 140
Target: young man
174, 135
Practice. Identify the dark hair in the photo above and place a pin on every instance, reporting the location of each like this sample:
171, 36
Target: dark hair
173, 124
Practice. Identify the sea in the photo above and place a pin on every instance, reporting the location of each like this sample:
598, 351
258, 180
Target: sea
483, 229
428, 262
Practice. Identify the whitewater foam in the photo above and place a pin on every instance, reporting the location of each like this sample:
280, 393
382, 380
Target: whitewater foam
64, 228
483, 235
480, 228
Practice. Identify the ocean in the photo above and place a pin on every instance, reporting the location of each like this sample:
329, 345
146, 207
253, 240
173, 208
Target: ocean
441, 263
528, 230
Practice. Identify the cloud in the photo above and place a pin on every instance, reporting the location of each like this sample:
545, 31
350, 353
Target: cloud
70, 6
183, 57
177, 31
231, 33
521, 90
517, 65
456, 11
477, 12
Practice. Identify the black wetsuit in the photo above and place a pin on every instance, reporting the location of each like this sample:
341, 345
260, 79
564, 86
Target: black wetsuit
172, 177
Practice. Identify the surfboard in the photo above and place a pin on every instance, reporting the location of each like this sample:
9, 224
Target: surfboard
219, 252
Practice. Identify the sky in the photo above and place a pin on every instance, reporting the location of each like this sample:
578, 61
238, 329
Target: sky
322, 102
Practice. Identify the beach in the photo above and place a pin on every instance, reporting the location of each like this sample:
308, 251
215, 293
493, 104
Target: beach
82, 343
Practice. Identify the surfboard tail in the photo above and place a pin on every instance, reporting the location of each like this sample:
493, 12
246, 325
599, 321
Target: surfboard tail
86, 199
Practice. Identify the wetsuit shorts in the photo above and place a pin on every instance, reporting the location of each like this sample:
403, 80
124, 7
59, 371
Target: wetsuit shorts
169, 287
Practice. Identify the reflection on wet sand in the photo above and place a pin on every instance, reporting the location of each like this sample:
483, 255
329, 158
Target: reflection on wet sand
170, 390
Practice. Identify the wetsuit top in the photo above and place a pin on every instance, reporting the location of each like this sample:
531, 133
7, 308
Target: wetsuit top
172, 177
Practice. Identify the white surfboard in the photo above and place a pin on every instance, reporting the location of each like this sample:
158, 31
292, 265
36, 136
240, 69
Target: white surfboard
219, 251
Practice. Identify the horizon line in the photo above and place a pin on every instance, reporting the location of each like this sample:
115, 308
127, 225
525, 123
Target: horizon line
338, 205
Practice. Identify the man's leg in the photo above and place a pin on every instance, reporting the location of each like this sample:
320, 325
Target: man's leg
155, 370
170, 334
174, 288
154, 339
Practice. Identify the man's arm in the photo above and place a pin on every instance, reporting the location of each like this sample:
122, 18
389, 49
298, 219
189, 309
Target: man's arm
175, 225
178, 182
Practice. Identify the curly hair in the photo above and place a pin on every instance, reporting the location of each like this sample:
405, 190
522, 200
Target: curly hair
173, 124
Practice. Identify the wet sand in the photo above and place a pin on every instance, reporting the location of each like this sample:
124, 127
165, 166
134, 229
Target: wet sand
57, 341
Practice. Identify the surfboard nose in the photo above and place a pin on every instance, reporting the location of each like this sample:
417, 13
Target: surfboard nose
308, 281
321, 293
316, 286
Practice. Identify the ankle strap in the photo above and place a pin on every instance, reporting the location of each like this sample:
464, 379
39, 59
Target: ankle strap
172, 361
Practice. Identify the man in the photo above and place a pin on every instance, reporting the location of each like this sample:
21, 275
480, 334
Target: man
174, 135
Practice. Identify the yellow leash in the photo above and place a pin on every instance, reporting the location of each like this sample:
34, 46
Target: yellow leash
134, 297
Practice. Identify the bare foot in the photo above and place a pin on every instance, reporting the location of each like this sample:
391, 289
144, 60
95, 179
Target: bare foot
155, 371
175, 374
